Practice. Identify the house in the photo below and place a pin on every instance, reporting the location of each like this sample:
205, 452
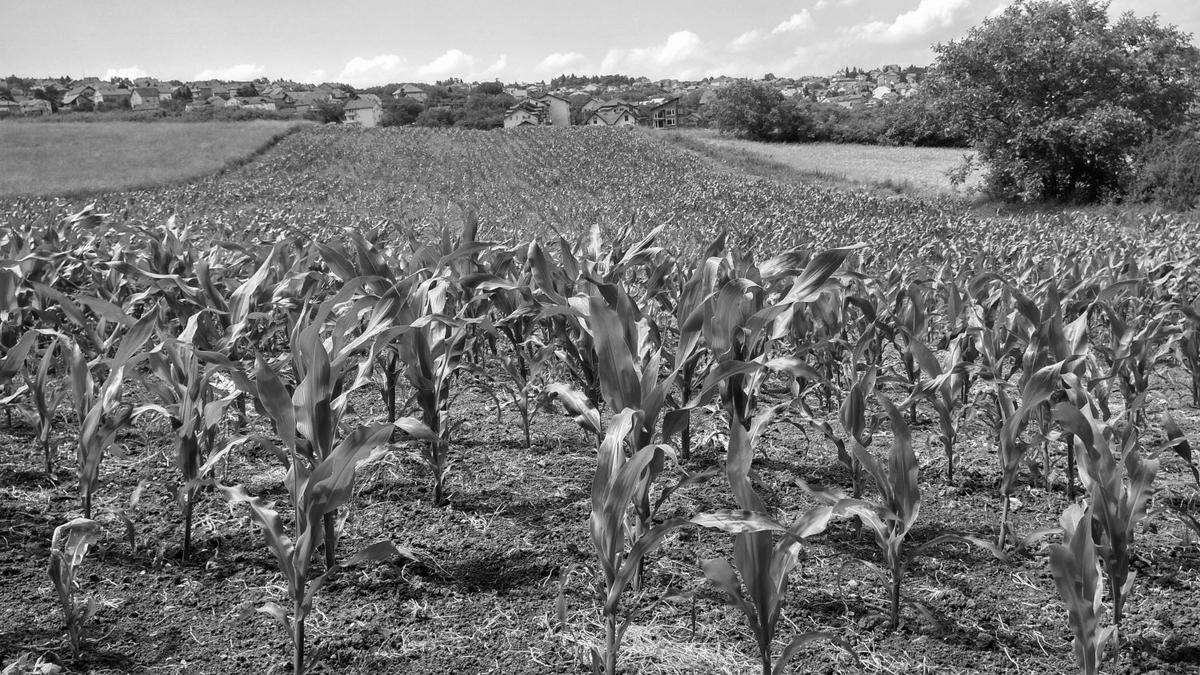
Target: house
335, 92
615, 113
79, 97
144, 96
35, 106
365, 111
113, 96
411, 92
516, 92
544, 110
9, 108
664, 115
524, 114
591, 106
558, 109
250, 103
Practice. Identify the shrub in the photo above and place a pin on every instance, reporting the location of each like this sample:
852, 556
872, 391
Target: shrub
1168, 170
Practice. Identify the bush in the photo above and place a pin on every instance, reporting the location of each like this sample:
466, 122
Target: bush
1168, 170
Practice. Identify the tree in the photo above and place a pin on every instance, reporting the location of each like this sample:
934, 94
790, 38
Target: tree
1057, 99
744, 109
247, 90
326, 112
400, 112
440, 116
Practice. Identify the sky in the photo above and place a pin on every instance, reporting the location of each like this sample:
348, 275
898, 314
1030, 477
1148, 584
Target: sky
374, 42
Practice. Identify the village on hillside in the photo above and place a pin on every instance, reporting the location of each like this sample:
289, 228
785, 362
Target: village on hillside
564, 101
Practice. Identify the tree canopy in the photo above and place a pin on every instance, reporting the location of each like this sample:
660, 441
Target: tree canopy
1058, 98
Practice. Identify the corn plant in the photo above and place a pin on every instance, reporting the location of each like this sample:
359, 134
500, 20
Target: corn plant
308, 418
892, 517
323, 491
47, 395
1076, 568
100, 411
1120, 491
1178, 442
618, 480
942, 390
764, 566
68, 547
689, 350
12, 365
434, 346
183, 387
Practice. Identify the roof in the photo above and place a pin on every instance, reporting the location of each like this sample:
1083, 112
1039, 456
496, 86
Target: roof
146, 91
362, 103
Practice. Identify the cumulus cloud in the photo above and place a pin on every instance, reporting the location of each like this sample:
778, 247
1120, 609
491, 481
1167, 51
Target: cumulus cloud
453, 62
242, 71
131, 73
561, 61
927, 17
746, 40
798, 21
376, 69
500, 65
677, 56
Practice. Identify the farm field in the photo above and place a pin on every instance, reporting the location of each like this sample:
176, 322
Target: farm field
79, 157
547, 379
921, 171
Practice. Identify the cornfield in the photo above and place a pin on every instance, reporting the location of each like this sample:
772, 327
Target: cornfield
446, 401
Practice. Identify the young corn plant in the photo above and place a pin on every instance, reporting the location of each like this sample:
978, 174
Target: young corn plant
12, 365
1076, 568
434, 346
893, 516
100, 411
764, 566
183, 387
68, 547
320, 480
617, 481
1120, 491
942, 390
47, 395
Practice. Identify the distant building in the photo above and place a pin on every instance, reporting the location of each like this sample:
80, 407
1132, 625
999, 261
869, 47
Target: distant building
365, 111
144, 96
411, 92
544, 110
664, 115
615, 113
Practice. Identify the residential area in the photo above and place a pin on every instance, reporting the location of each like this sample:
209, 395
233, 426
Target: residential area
567, 100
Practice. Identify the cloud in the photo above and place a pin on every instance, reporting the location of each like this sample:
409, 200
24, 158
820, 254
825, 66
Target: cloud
559, 62
798, 21
376, 69
746, 40
130, 73
927, 17
499, 66
452, 63
823, 4
242, 71
678, 56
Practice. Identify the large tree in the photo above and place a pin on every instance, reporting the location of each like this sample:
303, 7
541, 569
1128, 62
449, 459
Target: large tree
1057, 98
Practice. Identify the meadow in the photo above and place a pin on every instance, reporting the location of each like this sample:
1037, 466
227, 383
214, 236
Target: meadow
89, 157
903, 169
577, 400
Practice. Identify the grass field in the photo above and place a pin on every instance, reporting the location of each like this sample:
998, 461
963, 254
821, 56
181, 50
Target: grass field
921, 171
74, 158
